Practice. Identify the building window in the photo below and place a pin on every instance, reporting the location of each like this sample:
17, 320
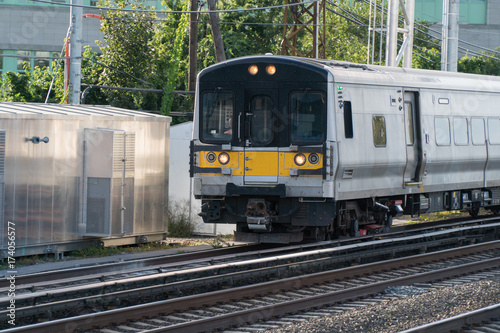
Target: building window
42, 62
21, 59
379, 133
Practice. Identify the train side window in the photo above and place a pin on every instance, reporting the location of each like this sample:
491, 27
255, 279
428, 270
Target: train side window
379, 132
348, 129
494, 130
308, 117
477, 131
460, 131
409, 124
216, 117
442, 131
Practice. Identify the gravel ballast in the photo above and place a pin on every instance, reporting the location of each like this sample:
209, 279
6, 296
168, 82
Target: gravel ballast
406, 312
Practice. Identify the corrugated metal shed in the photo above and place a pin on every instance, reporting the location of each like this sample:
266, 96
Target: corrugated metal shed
73, 172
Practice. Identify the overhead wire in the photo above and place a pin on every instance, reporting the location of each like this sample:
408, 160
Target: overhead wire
176, 11
438, 33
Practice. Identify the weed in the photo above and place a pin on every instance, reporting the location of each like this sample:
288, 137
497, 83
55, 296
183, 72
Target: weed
179, 222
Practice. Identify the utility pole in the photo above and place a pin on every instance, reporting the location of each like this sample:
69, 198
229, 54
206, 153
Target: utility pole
75, 52
193, 45
449, 42
214, 21
392, 33
408, 9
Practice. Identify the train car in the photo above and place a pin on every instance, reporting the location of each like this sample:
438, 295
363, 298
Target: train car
291, 148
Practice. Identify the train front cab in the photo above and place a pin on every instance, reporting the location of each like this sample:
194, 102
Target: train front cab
260, 155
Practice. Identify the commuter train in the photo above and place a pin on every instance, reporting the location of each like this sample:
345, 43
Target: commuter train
291, 148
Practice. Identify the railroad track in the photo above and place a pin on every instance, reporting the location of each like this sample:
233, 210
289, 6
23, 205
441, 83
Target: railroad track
256, 271
238, 306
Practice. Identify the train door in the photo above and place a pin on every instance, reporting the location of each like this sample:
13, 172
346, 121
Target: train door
412, 175
260, 138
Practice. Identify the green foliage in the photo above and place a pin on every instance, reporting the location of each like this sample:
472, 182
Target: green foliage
30, 86
346, 40
127, 54
480, 64
172, 54
91, 72
142, 51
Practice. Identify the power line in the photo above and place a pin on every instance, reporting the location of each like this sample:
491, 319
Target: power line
379, 8
176, 11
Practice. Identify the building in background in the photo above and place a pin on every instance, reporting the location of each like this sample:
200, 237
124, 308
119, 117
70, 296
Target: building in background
39, 29
479, 24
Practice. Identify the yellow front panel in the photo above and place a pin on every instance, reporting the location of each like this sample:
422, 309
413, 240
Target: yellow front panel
235, 162
287, 163
261, 163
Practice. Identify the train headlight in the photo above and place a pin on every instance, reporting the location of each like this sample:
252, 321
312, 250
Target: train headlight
271, 69
300, 159
313, 158
253, 69
223, 158
211, 157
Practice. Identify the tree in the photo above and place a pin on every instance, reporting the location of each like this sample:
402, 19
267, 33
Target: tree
127, 54
486, 64
31, 86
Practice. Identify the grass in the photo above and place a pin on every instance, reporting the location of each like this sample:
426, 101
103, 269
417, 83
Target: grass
442, 216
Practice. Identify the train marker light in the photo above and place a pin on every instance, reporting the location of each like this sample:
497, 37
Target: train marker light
253, 69
271, 69
223, 158
313, 158
211, 157
300, 159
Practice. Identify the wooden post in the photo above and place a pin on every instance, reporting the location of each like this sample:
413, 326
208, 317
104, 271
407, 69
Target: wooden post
193, 45
216, 34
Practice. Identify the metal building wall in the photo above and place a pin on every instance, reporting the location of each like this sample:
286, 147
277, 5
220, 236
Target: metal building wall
46, 184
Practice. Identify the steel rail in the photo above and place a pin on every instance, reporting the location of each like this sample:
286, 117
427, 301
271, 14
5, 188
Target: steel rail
266, 312
141, 263
160, 278
456, 323
168, 288
144, 263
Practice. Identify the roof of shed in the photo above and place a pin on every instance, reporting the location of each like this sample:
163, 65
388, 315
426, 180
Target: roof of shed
71, 110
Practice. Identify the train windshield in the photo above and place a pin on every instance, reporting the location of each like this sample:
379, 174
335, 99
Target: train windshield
217, 112
308, 117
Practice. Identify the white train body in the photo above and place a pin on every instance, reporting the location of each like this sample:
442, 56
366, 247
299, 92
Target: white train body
376, 141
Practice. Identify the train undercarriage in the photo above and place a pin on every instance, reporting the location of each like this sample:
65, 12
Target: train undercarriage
271, 219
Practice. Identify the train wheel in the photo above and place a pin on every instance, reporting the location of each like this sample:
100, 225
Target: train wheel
388, 221
320, 234
354, 228
474, 212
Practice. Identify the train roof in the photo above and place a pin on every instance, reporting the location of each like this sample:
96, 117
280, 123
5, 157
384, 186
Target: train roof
347, 72
409, 77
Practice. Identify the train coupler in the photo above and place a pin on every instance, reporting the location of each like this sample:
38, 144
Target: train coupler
262, 223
